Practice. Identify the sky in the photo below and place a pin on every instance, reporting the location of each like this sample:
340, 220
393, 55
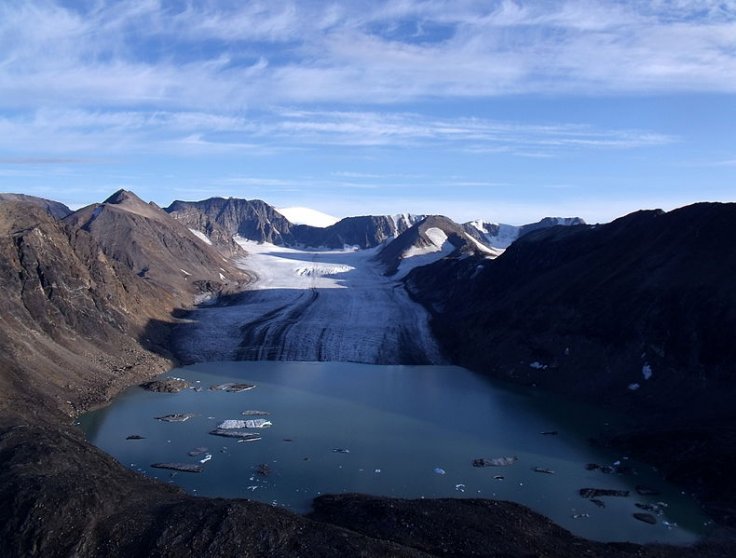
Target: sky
503, 110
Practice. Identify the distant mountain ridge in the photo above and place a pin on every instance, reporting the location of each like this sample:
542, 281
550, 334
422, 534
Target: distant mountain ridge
56, 209
499, 235
219, 219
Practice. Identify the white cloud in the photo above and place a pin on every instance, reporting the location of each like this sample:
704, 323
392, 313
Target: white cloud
205, 55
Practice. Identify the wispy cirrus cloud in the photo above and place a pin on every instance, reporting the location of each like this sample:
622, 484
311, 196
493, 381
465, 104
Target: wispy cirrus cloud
187, 55
282, 130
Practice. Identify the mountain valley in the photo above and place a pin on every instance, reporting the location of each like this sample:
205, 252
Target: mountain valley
114, 293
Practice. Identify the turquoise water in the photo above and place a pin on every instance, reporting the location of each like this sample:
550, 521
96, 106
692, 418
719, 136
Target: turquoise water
409, 431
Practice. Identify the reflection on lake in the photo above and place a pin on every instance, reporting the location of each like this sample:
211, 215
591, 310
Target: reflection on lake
401, 431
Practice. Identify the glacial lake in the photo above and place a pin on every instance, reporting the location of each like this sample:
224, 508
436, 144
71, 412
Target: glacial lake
400, 431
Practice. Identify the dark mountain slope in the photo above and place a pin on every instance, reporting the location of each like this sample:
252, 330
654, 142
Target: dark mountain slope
153, 245
66, 308
651, 288
639, 314
79, 292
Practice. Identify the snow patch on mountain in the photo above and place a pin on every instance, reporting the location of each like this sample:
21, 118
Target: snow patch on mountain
417, 256
403, 221
497, 235
307, 216
201, 236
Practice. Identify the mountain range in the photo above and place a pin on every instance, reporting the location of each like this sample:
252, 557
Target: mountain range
637, 314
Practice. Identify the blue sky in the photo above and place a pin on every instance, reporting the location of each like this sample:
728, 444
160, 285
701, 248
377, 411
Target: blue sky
501, 110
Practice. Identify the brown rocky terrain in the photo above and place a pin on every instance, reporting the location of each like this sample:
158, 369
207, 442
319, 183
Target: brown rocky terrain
80, 296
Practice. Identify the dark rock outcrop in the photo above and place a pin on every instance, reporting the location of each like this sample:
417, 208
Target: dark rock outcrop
222, 218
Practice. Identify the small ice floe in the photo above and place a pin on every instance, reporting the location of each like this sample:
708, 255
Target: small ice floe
253, 438
633, 387
182, 467
498, 477
255, 413
377, 470
439, 470
206, 458
543, 470
537, 365
646, 371
494, 461
248, 423
252, 487
176, 417
340, 450
460, 487
580, 515
232, 387
234, 433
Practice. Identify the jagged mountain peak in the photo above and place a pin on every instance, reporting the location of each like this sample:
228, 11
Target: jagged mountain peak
123, 196
126, 200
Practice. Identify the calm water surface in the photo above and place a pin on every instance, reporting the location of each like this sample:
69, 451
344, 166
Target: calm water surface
410, 432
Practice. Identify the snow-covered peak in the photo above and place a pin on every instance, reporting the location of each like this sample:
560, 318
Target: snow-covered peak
307, 216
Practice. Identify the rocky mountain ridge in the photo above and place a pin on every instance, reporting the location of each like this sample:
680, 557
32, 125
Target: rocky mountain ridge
220, 219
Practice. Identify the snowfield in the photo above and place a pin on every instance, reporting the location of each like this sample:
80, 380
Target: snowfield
312, 305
